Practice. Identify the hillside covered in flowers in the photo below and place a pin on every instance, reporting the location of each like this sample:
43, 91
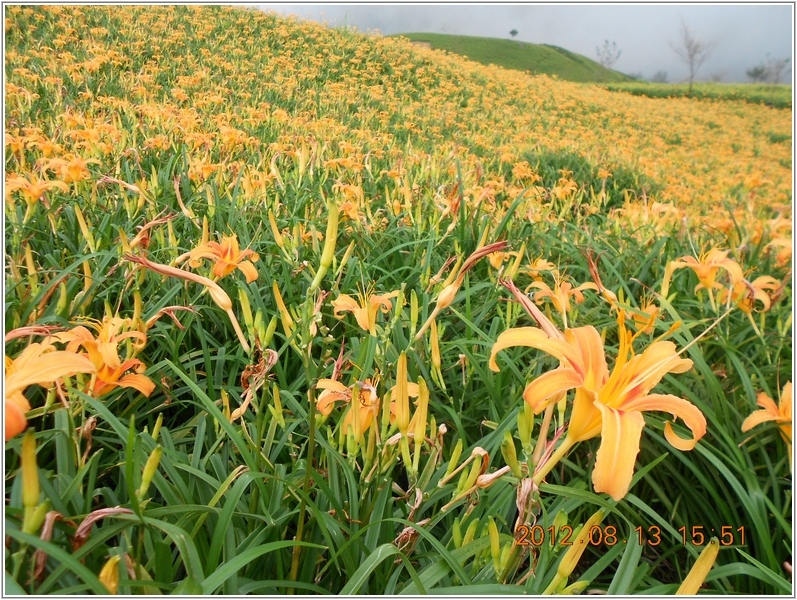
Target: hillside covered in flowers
265, 284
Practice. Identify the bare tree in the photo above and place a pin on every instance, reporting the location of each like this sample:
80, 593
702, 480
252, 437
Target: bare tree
771, 72
757, 74
692, 51
777, 68
608, 54
717, 76
659, 77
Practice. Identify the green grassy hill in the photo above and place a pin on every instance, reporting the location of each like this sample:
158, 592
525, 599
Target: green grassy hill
521, 56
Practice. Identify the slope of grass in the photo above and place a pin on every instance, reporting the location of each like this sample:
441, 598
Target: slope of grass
538, 59
775, 96
224, 233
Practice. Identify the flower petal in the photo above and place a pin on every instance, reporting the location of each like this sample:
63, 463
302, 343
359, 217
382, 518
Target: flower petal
14, 417
549, 386
677, 407
585, 418
249, 270
331, 384
590, 346
614, 461
327, 398
767, 403
536, 338
223, 268
46, 369
142, 383
344, 303
755, 419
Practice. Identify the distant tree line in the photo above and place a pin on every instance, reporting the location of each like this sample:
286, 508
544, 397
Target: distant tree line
772, 71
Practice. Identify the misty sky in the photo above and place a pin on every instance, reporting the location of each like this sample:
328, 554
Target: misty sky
744, 34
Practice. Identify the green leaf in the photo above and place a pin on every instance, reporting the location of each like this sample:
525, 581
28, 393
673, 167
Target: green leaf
361, 575
623, 578
80, 570
228, 569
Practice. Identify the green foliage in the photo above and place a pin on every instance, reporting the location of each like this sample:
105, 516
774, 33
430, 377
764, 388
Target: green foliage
776, 96
538, 59
281, 498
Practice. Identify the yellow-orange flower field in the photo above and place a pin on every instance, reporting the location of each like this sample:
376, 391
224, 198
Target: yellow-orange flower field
293, 309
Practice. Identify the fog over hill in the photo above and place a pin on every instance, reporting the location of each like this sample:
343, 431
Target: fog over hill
744, 34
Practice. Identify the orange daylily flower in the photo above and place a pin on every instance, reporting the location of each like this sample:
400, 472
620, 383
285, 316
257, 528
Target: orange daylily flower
71, 168
607, 404
745, 293
560, 294
31, 187
366, 310
109, 334
645, 318
706, 269
334, 391
780, 413
536, 267
103, 353
228, 257
41, 364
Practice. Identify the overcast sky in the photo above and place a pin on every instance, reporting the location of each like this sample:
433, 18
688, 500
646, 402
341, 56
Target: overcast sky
744, 34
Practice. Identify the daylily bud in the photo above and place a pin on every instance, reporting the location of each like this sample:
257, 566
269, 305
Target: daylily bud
277, 412
156, 430
495, 544
149, 470
699, 571
452, 464
456, 534
173, 242
346, 256
559, 520
523, 429
510, 454
513, 269
329, 246
413, 311
475, 470
272, 327
463, 479
84, 229
33, 274
435, 346
287, 320
506, 553
573, 554
30, 479
211, 201
470, 533
205, 232
402, 396
351, 442
63, 300
243, 298
109, 576
275, 230
37, 517
225, 402
123, 242
420, 422
574, 589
